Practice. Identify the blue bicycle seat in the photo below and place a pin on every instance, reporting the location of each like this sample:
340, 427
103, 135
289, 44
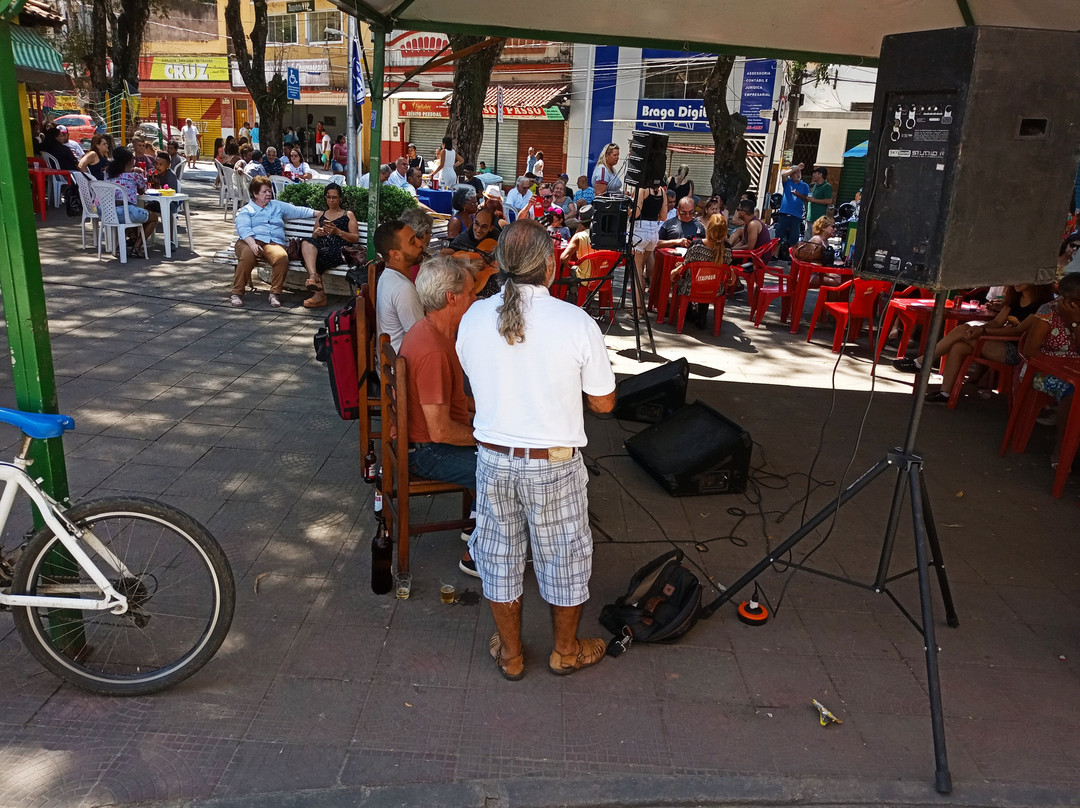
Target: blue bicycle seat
37, 425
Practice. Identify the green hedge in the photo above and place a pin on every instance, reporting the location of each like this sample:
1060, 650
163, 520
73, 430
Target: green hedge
392, 201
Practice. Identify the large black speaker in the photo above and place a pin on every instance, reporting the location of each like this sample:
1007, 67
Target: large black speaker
695, 451
654, 394
610, 217
646, 167
973, 155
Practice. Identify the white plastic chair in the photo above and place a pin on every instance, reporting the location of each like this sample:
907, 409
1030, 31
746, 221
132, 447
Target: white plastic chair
221, 182
180, 177
278, 184
229, 185
339, 179
89, 209
56, 182
105, 194
243, 189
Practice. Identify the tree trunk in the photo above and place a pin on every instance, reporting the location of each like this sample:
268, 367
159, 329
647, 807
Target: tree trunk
128, 31
730, 176
271, 98
472, 74
797, 73
99, 46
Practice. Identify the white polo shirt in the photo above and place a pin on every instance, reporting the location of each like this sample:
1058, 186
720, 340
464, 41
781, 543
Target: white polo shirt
397, 179
529, 394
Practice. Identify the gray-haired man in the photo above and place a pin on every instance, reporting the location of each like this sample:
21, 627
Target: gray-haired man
441, 443
520, 196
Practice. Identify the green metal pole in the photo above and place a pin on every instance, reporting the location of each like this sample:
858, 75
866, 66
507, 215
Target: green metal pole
378, 35
21, 283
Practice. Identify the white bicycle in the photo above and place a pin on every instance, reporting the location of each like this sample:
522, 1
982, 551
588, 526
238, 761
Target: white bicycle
123, 595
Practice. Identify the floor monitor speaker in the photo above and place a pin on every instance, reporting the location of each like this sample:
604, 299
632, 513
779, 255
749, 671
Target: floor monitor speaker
610, 217
655, 394
975, 138
694, 451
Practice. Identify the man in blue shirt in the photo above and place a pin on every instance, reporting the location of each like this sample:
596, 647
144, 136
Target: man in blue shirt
789, 221
260, 225
271, 164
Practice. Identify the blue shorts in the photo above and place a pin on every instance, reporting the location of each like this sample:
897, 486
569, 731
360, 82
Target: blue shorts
138, 215
444, 462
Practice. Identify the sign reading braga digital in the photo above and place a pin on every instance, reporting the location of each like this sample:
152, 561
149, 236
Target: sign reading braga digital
688, 115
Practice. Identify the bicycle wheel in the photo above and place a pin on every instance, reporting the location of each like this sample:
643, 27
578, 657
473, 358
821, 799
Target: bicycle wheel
180, 598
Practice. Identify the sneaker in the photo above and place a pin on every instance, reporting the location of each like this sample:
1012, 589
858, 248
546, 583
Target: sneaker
1048, 417
467, 534
274, 302
236, 301
907, 365
467, 565
940, 397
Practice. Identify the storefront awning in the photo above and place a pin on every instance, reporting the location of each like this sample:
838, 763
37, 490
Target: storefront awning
524, 95
36, 61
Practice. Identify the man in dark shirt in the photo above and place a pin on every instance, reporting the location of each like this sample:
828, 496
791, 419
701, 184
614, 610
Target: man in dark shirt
683, 229
482, 228
271, 164
53, 145
163, 176
175, 160
471, 179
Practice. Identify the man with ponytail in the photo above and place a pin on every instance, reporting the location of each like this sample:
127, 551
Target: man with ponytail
534, 363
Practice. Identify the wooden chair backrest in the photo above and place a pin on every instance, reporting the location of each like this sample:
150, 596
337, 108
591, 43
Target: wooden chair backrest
394, 402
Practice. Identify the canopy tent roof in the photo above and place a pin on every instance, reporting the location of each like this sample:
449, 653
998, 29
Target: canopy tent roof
837, 31
36, 61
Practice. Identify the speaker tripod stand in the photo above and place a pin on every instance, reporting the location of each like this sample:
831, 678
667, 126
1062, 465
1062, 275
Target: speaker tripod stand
909, 478
630, 279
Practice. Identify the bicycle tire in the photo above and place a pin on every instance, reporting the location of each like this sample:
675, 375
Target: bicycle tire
181, 599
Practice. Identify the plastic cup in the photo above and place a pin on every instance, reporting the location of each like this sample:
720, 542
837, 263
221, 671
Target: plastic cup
403, 582
446, 593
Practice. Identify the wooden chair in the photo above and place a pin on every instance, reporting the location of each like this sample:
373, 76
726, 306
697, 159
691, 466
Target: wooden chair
707, 286
398, 487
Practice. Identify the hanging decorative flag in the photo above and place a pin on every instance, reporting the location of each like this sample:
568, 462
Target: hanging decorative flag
359, 90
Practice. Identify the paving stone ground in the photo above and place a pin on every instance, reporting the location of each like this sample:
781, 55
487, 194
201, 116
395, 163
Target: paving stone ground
327, 695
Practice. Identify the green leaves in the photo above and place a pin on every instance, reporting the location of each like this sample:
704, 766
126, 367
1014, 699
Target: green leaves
392, 201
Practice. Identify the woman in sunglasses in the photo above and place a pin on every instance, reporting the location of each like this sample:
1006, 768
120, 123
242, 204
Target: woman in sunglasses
335, 227
296, 169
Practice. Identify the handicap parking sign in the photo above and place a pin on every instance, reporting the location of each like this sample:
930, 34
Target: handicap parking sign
292, 80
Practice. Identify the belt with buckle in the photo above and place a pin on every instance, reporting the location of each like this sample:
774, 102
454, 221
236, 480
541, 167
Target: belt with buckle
555, 454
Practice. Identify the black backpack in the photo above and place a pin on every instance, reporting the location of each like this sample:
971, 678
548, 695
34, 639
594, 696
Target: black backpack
662, 603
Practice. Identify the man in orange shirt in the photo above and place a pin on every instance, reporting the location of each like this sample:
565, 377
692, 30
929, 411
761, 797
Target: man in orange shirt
441, 443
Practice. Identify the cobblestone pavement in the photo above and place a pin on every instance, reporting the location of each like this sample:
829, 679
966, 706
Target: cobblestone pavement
325, 694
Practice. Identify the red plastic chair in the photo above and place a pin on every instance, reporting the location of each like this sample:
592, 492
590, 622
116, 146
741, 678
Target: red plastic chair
864, 297
756, 258
708, 282
1006, 374
1030, 401
784, 289
599, 264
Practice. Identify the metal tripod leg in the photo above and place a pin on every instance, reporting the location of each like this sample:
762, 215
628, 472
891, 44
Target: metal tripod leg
942, 778
937, 561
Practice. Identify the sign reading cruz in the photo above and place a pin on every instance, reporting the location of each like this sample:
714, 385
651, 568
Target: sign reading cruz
189, 68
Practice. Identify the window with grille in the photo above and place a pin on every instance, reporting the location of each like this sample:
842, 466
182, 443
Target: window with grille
281, 29
319, 21
676, 79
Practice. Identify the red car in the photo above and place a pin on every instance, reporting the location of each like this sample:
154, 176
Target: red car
80, 127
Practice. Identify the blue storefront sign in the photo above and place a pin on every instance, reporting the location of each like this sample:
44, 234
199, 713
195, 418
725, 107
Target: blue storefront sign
759, 78
668, 115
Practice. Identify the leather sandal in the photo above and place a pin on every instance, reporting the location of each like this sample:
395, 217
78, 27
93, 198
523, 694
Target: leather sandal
590, 651
512, 668
312, 284
316, 301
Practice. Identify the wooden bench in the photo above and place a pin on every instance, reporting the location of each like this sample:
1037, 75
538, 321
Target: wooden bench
334, 280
